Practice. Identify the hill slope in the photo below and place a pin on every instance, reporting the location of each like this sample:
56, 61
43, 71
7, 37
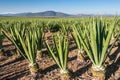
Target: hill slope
42, 14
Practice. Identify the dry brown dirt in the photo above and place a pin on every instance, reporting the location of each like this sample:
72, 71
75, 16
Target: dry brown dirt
15, 67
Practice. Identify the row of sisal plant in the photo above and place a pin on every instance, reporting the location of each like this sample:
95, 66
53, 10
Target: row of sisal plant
28, 41
92, 38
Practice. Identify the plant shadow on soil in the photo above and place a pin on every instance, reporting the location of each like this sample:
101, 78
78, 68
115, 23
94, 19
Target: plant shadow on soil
114, 66
23, 72
80, 71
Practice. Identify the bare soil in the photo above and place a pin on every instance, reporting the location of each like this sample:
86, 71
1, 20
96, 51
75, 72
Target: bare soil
15, 67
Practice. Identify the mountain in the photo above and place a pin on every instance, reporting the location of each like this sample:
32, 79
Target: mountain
41, 14
53, 14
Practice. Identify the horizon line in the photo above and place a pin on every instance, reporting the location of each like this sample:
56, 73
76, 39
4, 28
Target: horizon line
97, 13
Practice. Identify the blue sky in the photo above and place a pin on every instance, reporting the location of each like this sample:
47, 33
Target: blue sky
66, 6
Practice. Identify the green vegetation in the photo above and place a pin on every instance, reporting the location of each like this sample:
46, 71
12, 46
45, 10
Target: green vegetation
60, 55
91, 35
96, 43
1, 39
38, 33
25, 42
77, 31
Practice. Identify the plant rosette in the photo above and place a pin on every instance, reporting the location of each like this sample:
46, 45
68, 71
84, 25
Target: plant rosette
98, 72
65, 75
33, 68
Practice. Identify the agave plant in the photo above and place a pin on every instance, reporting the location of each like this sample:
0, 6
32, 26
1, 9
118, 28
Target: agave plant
116, 34
60, 55
26, 45
1, 40
39, 40
96, 44
76, 36
65, 28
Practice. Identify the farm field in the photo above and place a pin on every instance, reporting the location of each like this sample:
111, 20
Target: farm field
49, 48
